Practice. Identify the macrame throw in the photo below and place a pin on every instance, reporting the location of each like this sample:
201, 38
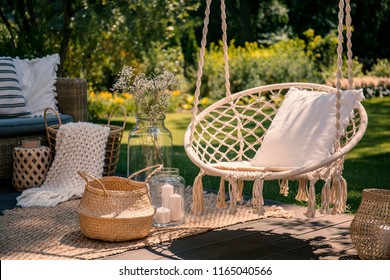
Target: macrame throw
79, 147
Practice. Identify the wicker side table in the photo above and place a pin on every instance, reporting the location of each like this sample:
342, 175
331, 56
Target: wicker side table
30, 166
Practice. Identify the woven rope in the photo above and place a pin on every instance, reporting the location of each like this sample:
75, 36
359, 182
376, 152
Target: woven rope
239, 124
232, 129
348, 21
225, 48
200, 64
219, 122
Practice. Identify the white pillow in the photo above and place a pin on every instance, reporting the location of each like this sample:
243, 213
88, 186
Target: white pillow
304, 129
12, 101
37, 78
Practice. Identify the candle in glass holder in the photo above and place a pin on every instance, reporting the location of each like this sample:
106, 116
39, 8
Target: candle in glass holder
162, 216
166, 191
175, 204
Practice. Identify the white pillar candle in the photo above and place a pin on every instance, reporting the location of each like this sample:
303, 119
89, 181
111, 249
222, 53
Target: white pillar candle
166, 191
162, 216
175, 204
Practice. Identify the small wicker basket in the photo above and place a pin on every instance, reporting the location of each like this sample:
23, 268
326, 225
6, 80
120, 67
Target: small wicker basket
115, 208
30, 166
113, 142
370, 229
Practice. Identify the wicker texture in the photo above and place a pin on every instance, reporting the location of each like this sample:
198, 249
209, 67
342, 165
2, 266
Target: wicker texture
115, 209
30, 167
370, 229
72, 100
113, 141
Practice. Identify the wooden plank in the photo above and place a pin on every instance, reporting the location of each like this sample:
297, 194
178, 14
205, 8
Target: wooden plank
266, 250
288, 247
204, 240
183, 249
326, 249
324, 240
197, 242
273, 238
217, 250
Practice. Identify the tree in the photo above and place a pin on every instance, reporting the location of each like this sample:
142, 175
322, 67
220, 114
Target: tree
94, 38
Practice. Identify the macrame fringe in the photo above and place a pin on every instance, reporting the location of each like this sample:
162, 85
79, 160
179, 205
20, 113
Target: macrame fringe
326, 198
240, 188
339, 195
221, 197
311, 205
257, 199
283, 184
197, 195
233, 196
302, 194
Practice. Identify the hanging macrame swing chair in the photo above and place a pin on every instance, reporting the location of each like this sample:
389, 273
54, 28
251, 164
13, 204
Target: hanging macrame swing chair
252, 136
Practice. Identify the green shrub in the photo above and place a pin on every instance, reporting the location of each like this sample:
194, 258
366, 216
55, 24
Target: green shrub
381, 68
255, 65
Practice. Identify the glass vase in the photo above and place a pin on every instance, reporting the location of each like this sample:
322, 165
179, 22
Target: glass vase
167, 192
149, 143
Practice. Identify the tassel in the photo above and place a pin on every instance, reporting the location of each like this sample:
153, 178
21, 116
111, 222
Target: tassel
336, 195
311, 205
302, 194
257, 199
240, 188
344, 195
284, 187
326, 198
221, 197
333, 190
197, 195
340, 192
233, 196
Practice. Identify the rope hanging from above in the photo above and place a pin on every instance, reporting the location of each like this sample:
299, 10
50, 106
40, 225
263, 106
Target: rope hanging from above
223, 139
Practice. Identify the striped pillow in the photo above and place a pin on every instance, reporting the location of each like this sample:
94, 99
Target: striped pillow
12, 101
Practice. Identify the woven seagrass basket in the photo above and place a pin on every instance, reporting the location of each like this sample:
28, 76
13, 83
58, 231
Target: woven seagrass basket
370, 229
111, 157
116, 208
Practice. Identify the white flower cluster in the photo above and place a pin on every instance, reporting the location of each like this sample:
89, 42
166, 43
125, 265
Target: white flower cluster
151, 93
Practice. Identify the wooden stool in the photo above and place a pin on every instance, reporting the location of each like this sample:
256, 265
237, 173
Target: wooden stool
30, 166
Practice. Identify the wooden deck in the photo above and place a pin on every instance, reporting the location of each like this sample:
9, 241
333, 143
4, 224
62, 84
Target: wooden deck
299, 238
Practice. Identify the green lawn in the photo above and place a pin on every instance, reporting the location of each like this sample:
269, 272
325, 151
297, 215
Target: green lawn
366, 166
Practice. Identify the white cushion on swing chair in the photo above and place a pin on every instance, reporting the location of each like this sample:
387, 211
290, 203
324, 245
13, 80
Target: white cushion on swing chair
303, 131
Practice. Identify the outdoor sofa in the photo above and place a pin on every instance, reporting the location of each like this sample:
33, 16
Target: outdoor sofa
72, 105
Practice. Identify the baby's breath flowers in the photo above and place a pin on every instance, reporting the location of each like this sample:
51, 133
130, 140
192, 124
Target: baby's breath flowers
151, 93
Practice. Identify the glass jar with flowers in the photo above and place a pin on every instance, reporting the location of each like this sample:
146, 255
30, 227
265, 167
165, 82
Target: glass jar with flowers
150, 142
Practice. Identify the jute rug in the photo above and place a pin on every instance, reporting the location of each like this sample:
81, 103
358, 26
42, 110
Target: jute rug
53, 232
